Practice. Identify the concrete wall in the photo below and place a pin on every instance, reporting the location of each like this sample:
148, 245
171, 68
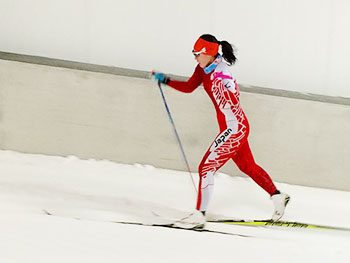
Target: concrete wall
281, 44
62, 111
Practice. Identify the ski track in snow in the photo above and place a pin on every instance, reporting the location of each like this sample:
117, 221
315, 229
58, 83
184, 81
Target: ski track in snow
101, 191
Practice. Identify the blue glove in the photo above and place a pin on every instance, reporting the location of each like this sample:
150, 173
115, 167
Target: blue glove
157, 76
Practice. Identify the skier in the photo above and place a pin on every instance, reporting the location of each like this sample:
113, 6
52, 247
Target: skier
231, 143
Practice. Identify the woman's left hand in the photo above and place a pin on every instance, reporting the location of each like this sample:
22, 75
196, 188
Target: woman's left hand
157, 76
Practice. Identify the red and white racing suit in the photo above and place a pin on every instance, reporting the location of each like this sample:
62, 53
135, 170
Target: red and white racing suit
231, 143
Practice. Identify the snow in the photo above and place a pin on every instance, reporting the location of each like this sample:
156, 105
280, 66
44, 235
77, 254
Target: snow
102, 190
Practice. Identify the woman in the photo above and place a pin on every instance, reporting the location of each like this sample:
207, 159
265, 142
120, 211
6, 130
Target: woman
231, 143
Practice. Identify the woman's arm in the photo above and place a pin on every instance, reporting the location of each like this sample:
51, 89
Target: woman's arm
190, 85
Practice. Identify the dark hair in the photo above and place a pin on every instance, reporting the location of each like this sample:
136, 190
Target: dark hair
226, 47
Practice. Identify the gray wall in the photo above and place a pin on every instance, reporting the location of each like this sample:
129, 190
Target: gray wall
62, 111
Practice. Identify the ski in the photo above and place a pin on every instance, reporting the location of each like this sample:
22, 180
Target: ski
271, 223
170, 224
173, 226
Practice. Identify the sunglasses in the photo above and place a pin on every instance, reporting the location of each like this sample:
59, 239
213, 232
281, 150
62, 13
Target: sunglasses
197, 53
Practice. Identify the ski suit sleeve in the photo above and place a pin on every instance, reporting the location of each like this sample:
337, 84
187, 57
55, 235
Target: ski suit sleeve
190, 85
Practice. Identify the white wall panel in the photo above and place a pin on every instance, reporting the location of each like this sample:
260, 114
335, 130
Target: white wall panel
282, 44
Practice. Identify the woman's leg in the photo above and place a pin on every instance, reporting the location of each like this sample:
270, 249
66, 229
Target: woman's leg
218, 154
245, 162
209, 165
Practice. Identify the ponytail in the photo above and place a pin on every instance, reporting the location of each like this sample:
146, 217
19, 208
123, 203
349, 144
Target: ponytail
227, 52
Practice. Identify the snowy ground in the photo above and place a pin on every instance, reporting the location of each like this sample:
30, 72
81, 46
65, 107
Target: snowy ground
102, 190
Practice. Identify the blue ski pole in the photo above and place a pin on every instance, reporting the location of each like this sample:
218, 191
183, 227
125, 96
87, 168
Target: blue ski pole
177, 135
